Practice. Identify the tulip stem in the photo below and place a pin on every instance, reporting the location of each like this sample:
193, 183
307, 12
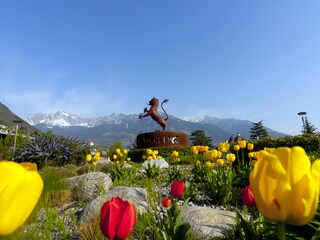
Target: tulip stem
282, 231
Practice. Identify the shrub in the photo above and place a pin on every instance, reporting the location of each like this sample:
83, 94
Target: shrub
48, 149
310, 142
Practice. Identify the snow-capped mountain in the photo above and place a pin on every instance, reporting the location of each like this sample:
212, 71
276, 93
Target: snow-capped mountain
63, 119
122, 127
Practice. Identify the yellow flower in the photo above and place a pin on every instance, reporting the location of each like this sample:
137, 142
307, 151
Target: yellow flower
149, 151
250, 154
255, 155
198, 162
114, 156
155, 152
194, 150
118, 151
210, 165
178, 159
128, 159
207, 164
124, 151
236, 147
268, 149
144, 157
149, 158
174, 154
286, 186
220, 162
223, 147
242, 143
231, 157
253, 162
203, 148
94, 163
88, 157
96, 156
20, 189
210, 155
250, 146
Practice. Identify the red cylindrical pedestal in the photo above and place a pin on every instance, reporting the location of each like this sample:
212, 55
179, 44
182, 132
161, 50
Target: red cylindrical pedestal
162, 139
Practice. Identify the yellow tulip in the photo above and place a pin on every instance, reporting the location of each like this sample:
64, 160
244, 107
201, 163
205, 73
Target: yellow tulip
198, 162
207, 164
209, 155
285, 185
250, 146
118, 151
253, 162
96, 156
149, 151
88, 157
231, 157
194, 150
242, 143
236, 147
220, 162
174, 154
223, 147
20, 189
124, 151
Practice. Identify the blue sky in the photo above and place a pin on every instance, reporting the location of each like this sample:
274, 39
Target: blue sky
252, 60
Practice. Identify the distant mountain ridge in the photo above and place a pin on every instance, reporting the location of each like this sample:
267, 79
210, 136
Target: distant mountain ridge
125, 127
9, 119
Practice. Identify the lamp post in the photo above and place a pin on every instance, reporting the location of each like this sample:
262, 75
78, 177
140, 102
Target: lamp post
15, 136
303, 114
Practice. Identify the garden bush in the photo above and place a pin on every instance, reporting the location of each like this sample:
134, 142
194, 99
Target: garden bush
48, 149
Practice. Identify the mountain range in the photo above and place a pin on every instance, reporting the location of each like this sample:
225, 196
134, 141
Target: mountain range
125, 127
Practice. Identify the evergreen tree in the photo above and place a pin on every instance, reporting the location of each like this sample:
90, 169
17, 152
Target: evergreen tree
308, 128
258, 131
199, 137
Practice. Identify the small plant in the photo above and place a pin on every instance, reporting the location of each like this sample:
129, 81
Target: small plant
151, 171
120, 172
48, 149
218, 185
174, 173
92, 161
173, 228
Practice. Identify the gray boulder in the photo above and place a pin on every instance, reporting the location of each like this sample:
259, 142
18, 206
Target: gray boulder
209, 223
136, 196
87, 187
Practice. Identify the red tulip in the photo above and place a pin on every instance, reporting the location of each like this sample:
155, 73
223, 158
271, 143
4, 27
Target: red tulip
117, 218
248, 198
166, 202
177, 189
